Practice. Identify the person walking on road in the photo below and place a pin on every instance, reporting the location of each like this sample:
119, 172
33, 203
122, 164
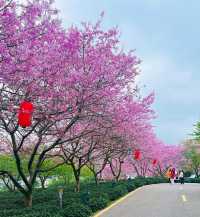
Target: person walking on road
181, 177
172, 175
168, 173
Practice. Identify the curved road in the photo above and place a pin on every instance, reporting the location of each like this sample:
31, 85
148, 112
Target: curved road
163, 200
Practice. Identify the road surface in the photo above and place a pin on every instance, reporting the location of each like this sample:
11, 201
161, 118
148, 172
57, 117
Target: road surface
163, 200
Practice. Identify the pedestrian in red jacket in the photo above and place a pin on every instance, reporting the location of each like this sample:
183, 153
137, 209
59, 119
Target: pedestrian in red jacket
173, 175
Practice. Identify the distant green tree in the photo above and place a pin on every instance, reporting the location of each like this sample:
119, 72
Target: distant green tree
86, 174
193, 158
47, 171
196, 131
7, 162
187, 173
65, 173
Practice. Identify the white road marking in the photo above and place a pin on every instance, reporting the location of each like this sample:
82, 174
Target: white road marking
184, 198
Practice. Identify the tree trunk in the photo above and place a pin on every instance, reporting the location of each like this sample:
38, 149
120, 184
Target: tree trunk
8, 185
68, 180
43, 183
96, 178
28, 200
112, 170
136, 169
95, 175
77, 173
196, 172
65, 179
119, 172
77, 186
117, 178
42, 180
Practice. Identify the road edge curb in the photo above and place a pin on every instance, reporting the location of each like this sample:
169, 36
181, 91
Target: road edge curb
117, 202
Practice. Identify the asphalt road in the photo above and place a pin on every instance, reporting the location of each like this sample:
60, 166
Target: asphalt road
163, 200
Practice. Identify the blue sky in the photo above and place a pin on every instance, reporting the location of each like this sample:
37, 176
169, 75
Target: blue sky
166, 37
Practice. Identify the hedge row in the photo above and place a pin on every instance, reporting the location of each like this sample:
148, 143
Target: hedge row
194, 180
91, 199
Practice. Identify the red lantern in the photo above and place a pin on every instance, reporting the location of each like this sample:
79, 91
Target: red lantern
26, 107
24, 119
137, 154
25, 114
154, 162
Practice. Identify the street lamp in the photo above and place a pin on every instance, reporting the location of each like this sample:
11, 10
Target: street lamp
60, 193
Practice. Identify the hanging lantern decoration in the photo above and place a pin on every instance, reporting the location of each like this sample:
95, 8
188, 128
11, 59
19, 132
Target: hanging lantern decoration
24, 120
137, 155
25, 114
154, 162
26, 106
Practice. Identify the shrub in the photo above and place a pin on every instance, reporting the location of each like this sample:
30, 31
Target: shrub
76, 210
39, 214
29, 213
117, 192
139, 182
71, 197
85, 196
98, 201
130, 185
152, 180
90, 199
190, 180
187, 173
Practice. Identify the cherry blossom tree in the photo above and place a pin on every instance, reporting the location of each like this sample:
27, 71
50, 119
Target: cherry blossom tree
87, 109
68, 76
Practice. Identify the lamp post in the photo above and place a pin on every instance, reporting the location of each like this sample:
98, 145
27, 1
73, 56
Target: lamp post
60, 193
